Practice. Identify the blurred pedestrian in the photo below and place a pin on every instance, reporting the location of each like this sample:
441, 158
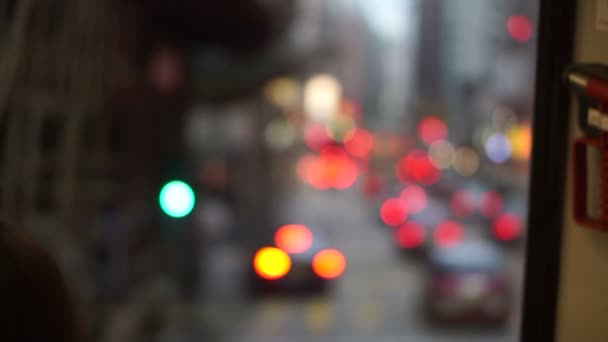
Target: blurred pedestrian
35, 304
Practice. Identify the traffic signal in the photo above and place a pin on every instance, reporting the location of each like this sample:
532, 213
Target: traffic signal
177, 199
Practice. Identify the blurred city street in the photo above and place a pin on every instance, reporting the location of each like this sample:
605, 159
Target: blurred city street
292, 170
378, 298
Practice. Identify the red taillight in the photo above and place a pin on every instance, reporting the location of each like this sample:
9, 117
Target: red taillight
293, 238
416, 198
448, 234
271, 263
463, 203
520, 28
417, 166
329, 264
332, 168
394, 211
507, 227
410, 235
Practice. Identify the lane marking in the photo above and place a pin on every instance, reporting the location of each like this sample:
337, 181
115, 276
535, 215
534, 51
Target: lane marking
271, 316
368, 315
320, 316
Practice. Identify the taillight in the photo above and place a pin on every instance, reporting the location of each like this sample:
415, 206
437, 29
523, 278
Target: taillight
394, 211
416, 198
293, 238
448, 234
463, 203
329, 264
271, 263
410, 235
507, 227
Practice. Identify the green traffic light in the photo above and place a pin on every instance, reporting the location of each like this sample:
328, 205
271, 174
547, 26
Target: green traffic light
176, 199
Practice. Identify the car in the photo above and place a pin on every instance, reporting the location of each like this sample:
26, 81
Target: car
468, 284
297, 260
415, 236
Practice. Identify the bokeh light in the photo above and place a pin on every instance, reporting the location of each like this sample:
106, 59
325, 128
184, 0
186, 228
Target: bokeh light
316, 174
332, 168
520, 28
416, 198
466, 162
492, 204
463, 203
498, 148
394, 212
507, 227
448, 234
431, 129
322, 94
283, 92
329, 264
271, 263
410, 235
520, 137
416, 166
176, 199
442, 154
359, 142
315, 136
279, 134
293, 238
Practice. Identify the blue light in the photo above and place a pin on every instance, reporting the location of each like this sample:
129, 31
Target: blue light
498, 148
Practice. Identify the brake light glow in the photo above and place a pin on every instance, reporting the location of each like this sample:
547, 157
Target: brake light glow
448, 234
271, 263
332, 168
293, 238
416, 198
507, 227
329, 264
417, 166
410, 235
394, 211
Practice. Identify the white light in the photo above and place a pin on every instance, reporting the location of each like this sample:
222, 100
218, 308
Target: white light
322, 95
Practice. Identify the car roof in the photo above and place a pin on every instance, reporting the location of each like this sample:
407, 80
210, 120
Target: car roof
474, 255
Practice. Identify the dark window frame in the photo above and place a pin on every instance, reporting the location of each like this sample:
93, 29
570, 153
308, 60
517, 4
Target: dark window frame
548, 171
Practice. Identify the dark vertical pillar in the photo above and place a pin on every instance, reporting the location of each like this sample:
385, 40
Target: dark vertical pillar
429, 50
